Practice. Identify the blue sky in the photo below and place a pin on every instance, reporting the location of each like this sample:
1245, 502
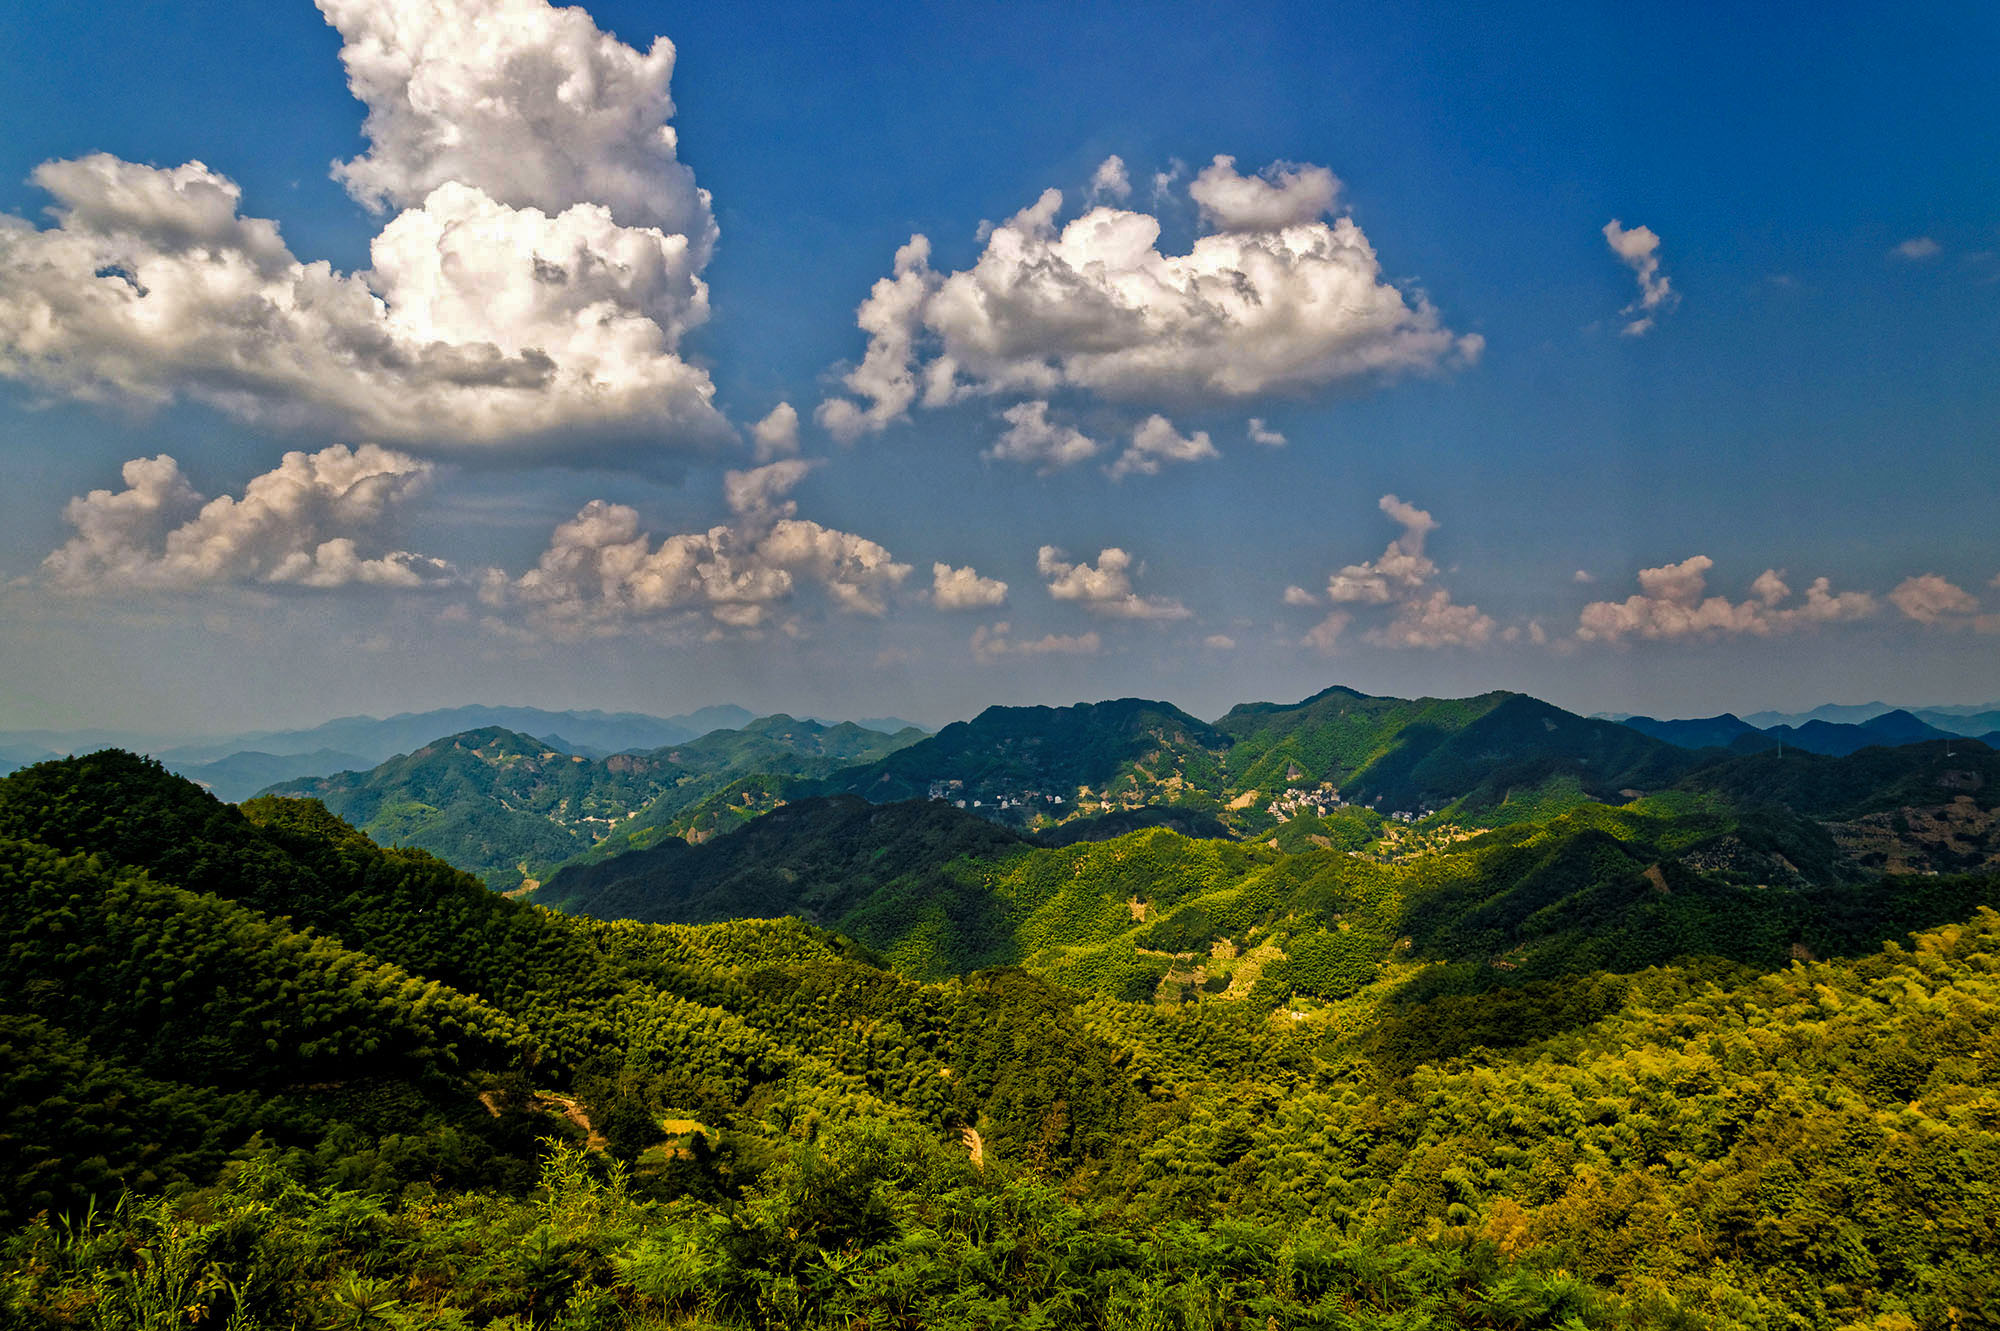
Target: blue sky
1417, 205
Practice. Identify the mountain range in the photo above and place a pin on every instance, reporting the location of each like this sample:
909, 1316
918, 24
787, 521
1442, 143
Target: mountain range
1616, 1035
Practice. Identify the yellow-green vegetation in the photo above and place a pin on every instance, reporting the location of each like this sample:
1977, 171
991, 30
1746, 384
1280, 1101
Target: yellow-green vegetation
260, 1072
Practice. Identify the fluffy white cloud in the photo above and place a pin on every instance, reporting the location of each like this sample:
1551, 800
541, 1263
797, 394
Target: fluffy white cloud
1283, 194
1434, 620
991, 642
1105, 589
1032, 438
1673, 603
535, 284
963, 589
1110, 181
601, 573
1930, 599
1155, 442
1221, 642
294, 525
1402, 570
1639, 247
886, 377
777, 435
1263, 434
1403, 576
529, 103
1917, 248
1273, 298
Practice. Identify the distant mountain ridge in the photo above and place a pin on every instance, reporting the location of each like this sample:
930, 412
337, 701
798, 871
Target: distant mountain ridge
1816, 736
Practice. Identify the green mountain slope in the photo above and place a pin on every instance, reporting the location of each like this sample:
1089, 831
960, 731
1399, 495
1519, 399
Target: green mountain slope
1490, 759
1027, 765
511, 808
1351, 1129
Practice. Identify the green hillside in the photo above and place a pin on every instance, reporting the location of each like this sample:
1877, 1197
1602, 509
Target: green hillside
511, 808
936, 892
1031, 765
1668, 1064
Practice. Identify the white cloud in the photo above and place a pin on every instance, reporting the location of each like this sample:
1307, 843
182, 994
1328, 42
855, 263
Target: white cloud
295, 525
885, 377
1263, 434
1032, 438
1933, 600
601, 574
1155, 442
1672, 603
1402, 576
1106, 589
534, 286
1582, 577
1274, 298
1110, 181
1917, 248
777, 435
531, 104
1434, 620
963, 589
1400, 572
1640, 249
1221, 642
990, 642
1325, 635
1282, 194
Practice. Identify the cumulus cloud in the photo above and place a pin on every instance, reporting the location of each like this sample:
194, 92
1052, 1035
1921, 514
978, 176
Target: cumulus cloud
531, 104
1110, 181
1221, 642
1426, 616
1917, 249
294, 525
534, 283
1400, 572
1673, 603
1156, 442
777, 435
991, 642
1032, 438
1275, 297
1639, 247
601, 574
886, 377
1105, 589
1932, 600
1263, 434
963, 589
1282, 194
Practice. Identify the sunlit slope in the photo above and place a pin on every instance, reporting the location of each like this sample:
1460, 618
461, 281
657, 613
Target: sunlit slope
511, 808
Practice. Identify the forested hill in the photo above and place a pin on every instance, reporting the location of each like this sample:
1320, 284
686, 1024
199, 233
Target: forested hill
312, 1082
511, 807
1049, 761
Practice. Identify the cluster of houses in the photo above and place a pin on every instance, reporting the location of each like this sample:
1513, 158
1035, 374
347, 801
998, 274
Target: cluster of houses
1290, 804
953, 789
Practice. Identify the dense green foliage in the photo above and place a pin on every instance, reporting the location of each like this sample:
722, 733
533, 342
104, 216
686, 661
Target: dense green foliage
512, 808
1644, 1065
